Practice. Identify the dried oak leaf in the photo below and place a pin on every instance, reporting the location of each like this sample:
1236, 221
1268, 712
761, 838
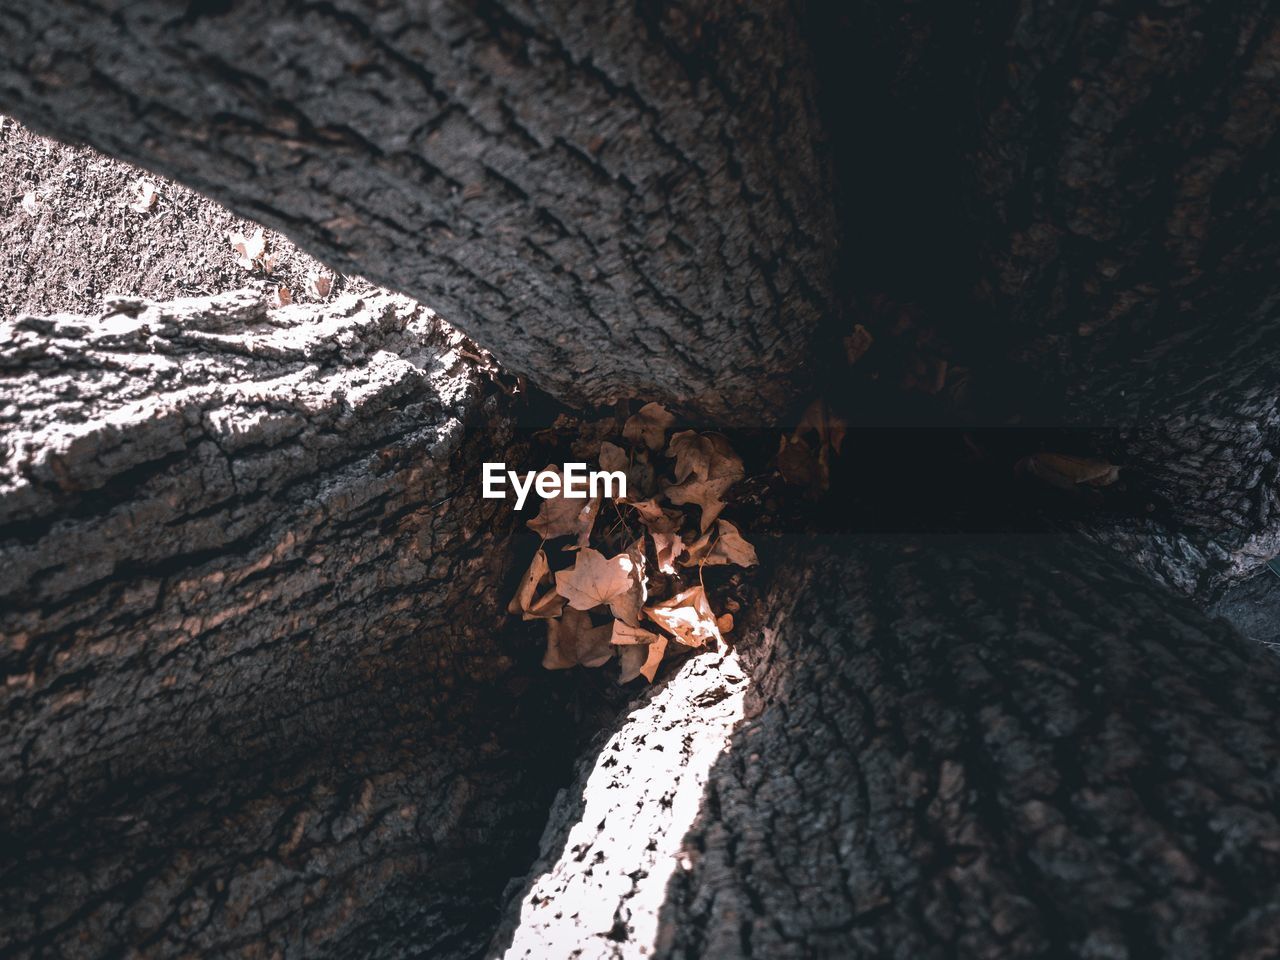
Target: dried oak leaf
572, 640
649, 426
641, 651
726, 545
526, 601
595, 580
562, 516
687, 616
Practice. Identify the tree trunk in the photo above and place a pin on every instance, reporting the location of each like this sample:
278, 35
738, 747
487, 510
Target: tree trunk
631, 205
997, 747
255, 695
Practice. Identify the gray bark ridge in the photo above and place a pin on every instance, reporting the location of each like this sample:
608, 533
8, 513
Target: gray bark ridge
987, 747
635, 205
250, 603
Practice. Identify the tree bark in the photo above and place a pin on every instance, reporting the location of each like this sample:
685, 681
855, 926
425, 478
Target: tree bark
250, 600
996, 747
634, 204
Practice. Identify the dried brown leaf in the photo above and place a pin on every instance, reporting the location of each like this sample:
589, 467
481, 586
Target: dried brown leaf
1066, 471
572, 640
858, 343
705, 494
249, 250
319, 284
687, 616
595, 580
613, 457
649, 426
706, 456
641, 651
563, 516
725, 545
526, 601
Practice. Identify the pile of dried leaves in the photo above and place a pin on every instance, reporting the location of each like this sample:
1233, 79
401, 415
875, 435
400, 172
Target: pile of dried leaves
628, 582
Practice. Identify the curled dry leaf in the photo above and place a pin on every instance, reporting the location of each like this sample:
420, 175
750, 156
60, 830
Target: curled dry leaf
284, 296
726, 545
527, 602
562, 516
1065, 471
595, 580
641, 651
687, 616
146, 195
572, 640
649, 426
725, 623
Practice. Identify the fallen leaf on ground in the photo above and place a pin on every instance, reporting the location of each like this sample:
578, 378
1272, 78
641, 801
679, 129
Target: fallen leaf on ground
613, 457
705, 494
726, 545
705, 456
319, 284
526, 601
249, 250
724, 623
284, 296
641, 651
687, 616
595, 580
1065, 471
649, 426
572, 640
563, 516
857, 343
30, 204
146, 198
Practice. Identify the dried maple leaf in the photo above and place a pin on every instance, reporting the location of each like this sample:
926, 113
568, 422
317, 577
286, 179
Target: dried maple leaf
249, 250
687, 616
641, 651
706, 494
572, 640
1065, 471
595, 580
799, 462
526, 601
146, 198
319, 284
649, 426
613, 457
706, 456
667, 546
726, 545
564, 516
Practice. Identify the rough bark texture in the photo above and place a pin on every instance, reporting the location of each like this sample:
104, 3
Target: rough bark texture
249, 598
621, 202
995, 748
